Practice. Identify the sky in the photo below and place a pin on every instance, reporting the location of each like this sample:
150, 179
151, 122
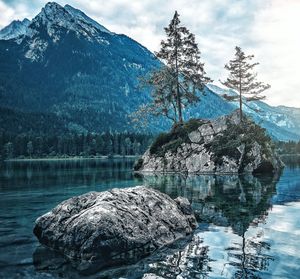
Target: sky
269, 29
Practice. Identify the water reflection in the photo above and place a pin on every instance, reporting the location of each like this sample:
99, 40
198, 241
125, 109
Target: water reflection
64, 172
231, 202
234, 202
243, 228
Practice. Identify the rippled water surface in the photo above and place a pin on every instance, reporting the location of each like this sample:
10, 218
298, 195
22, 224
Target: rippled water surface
249, 227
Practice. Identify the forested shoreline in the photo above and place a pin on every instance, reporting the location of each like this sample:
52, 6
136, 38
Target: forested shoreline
89, 145
72, 145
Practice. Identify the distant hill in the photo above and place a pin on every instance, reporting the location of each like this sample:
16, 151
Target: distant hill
282, 123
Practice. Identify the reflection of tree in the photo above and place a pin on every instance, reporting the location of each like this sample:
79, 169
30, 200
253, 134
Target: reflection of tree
250, 256
190, 262
235, 201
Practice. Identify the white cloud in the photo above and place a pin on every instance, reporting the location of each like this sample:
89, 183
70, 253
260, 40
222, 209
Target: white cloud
6, 14
267, 29
276, 30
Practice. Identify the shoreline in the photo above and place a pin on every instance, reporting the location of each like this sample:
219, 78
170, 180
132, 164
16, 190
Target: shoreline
71, 158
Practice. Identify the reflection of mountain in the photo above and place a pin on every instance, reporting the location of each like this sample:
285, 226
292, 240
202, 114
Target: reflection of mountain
49, 173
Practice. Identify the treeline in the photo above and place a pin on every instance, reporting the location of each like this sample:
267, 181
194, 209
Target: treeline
290, 147
32, 146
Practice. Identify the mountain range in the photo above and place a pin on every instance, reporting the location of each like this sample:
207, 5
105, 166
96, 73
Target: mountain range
63, 72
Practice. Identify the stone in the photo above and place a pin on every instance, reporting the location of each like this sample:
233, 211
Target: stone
200, 162
219, 125
203, 151
228, 165
195, 136
207, 132
151, 276
101, 229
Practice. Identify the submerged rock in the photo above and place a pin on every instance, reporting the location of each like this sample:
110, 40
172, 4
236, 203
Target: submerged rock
223, 145
101, 229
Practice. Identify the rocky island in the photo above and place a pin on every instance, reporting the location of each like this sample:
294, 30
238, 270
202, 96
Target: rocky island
223, 145
101, 229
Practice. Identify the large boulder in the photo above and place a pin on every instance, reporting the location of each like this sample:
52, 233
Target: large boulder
223, 145
101, 229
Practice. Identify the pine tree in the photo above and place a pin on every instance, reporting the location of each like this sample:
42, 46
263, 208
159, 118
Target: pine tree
29, 148
9, 150
174, 84
242, 79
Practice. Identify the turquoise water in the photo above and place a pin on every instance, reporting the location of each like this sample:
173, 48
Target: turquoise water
248, 227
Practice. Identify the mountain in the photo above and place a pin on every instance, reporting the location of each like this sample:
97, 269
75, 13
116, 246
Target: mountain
14, 29
282, 123
64, 67
72, 68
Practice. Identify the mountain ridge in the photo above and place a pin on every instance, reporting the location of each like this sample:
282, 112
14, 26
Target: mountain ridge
14, 29
93, 86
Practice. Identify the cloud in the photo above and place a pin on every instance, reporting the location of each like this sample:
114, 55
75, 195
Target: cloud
267, 29
6, 14
276, 30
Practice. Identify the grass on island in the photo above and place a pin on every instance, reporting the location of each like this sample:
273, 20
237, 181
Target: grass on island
172, 140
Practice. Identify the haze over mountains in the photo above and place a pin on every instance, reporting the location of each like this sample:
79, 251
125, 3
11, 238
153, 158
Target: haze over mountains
64, 72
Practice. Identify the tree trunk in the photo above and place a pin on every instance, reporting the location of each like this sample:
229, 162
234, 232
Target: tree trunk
179, 102
177, 83
241, 108
241, 103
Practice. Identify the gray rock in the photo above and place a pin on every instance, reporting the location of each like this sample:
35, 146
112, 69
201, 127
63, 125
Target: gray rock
195, 136
219, 125
196, 155
151, 276
96, 230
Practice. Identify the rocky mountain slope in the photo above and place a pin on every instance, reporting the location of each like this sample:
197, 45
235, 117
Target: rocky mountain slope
14, 29
71, 67
282, 123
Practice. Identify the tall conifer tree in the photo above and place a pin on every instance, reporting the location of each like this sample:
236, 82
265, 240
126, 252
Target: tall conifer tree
242, 79
174, 85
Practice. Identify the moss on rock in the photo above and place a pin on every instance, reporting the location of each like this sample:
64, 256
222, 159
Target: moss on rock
231, 139
178, 135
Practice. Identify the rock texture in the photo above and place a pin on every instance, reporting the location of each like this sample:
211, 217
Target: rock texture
217, 146
100, 229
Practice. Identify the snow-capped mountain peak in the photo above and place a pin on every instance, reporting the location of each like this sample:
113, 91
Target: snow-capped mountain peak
54, 15
82, 16
282, 124
57, 21
15, 29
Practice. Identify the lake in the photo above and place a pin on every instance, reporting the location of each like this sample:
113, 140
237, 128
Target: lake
249, 227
